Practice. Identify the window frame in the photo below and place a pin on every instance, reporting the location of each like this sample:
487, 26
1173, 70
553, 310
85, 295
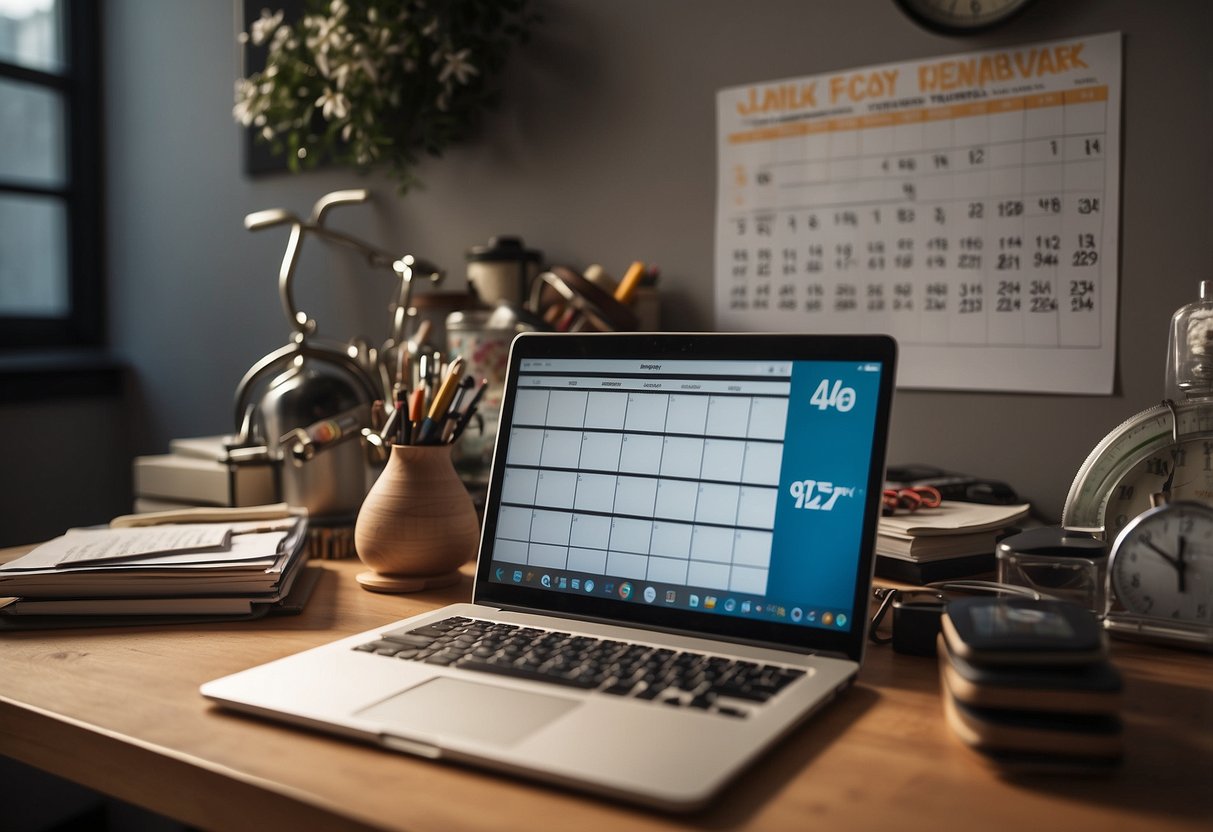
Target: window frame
79, 87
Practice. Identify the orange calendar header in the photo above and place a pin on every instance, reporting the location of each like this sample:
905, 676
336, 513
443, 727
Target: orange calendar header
942, 76
879, 83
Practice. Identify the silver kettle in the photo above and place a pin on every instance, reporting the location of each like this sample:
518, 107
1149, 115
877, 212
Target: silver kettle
307, 405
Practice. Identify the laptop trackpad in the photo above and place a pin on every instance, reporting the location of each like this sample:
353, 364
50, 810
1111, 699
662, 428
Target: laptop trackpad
454, 707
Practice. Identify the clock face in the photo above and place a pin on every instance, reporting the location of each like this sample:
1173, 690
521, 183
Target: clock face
961, 16
1162, 564
1184, 471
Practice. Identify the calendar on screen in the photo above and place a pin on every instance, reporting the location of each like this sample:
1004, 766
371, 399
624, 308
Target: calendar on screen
966, 205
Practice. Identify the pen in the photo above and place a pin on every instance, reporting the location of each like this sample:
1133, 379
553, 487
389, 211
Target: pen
430, 430
388, 432
423, 372
416, 412
435, 377
467, 414
402, 425
403, 376
456, 409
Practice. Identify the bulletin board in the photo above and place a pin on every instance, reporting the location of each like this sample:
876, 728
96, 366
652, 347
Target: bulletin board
966, 205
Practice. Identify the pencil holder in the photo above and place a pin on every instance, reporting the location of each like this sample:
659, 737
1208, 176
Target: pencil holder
417, 525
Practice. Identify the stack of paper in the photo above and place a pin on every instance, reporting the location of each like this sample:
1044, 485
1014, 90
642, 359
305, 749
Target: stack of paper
238, 564
951, 541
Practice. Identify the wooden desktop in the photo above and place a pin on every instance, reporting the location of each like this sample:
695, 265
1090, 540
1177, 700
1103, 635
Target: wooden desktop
118, 710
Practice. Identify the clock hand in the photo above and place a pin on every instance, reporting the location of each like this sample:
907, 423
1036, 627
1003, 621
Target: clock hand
1175, 563
1166, 486
1182, 566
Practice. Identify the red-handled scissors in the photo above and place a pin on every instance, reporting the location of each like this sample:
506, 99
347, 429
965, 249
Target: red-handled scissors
911, 498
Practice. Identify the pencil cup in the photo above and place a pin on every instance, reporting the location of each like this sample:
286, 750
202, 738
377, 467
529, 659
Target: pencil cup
417, 525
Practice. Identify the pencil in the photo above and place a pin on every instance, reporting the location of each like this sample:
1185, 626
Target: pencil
446, 391
627, 287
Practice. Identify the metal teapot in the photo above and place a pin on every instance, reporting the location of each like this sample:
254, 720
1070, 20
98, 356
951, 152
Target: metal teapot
307, 405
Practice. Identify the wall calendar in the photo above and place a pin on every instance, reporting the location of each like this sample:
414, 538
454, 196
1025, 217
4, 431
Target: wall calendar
967, 205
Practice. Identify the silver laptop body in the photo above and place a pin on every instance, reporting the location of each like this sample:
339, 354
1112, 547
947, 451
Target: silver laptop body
674, 570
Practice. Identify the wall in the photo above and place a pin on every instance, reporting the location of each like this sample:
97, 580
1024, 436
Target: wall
605, 151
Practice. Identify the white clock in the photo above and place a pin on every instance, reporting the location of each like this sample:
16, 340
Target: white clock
1160, 572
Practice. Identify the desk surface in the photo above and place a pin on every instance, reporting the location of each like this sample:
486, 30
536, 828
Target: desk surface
119, 711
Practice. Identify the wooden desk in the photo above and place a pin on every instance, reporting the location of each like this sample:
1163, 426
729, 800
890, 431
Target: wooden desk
118, 710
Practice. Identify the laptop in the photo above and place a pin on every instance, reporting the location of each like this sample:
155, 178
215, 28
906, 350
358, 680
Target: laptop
674, 570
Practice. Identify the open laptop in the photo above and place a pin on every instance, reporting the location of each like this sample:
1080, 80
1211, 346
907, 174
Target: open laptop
674, 570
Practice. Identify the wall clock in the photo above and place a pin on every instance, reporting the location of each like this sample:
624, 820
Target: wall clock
959, 17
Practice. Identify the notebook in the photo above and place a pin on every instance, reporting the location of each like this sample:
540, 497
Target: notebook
674, 570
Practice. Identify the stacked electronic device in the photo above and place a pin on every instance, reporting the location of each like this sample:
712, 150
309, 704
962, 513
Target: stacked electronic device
1028, 684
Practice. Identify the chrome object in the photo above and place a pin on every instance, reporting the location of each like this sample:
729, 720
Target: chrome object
302, 402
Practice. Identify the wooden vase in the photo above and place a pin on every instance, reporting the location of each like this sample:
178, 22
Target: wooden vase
417, 525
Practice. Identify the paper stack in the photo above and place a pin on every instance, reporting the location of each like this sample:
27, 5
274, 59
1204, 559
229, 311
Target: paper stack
953, 540
217, 562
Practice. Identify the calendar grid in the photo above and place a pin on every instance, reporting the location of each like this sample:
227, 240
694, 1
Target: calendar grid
672, 487
976, 226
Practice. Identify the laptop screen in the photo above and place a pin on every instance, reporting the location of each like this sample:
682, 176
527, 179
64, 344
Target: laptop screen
718, 483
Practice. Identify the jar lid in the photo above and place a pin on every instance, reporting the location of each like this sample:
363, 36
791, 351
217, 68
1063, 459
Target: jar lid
469, 319
504, 249
1052, 541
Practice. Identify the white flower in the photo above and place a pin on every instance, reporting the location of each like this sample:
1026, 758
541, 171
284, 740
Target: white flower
333, 105
341, 75
280, 38
265, 26
457, 65
248, 104
323, 32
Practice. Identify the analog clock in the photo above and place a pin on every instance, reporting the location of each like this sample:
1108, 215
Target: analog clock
961, 16
1160, 572
1148, 486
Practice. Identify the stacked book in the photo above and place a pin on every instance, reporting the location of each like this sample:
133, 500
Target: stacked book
1028, 685
953, 540
203, 471
194, 564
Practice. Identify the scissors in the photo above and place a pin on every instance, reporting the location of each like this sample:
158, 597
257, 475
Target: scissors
910, 498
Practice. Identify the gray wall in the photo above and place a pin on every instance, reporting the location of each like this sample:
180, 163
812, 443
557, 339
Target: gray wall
604, 151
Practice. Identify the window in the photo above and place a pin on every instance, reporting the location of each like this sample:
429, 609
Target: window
51, 269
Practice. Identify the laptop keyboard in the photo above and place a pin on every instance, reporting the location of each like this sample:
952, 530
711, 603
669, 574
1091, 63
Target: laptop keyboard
675, 678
